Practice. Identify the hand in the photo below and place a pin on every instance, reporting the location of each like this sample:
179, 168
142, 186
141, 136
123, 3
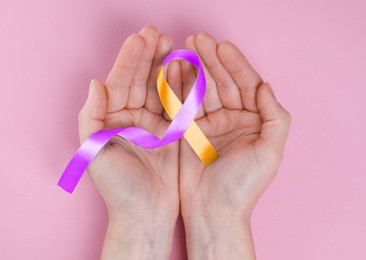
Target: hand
248, 128
139, 186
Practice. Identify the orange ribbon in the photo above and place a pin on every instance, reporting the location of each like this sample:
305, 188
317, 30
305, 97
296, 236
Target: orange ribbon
194, 135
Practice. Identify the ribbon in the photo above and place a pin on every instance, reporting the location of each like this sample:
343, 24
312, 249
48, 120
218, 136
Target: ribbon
182, 124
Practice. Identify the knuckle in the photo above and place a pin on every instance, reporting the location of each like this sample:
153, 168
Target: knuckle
287, 117
81, 115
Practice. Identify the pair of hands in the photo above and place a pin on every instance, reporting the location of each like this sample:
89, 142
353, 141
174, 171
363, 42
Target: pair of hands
144, 190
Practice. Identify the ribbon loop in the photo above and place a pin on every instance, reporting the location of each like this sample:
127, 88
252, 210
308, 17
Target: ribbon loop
182, 124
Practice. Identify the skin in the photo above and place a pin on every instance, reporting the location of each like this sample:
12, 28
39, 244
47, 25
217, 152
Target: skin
248, 128
144, 190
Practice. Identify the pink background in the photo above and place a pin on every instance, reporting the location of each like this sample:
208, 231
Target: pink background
312, 52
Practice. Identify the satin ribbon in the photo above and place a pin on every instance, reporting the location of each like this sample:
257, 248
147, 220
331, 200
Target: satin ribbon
182, 124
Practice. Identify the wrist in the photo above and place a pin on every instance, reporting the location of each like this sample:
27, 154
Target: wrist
138, 238
219, 238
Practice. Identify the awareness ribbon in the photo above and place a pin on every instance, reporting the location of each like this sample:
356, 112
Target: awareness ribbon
182, 124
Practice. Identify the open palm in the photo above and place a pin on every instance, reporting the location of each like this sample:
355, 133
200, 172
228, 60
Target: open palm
247, 127
131, 179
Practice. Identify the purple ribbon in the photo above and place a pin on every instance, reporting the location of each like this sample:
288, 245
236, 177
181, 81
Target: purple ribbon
91, 147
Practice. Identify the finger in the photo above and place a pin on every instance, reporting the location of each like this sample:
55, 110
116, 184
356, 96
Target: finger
173, 76
228, 92
120, 77
188, 78
276, 120
138, 88
212, 102
245, 77
92, 115
152, 102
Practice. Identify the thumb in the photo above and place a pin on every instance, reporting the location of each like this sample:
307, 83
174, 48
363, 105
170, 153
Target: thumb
276, 120
92, 115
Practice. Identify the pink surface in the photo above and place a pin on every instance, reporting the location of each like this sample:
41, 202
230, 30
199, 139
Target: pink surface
312, 52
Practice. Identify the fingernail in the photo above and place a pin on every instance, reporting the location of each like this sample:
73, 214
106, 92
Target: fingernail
92, 82
271, 90
90, 86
